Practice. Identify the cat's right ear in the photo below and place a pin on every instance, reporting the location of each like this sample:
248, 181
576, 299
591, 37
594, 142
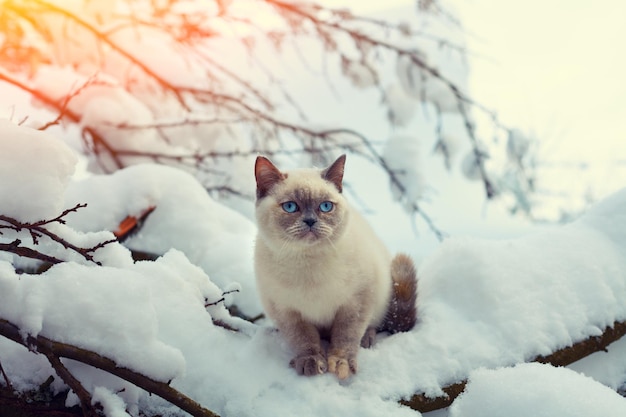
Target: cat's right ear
267, 176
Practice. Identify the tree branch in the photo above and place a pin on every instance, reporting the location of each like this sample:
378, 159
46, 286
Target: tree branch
16, 248
47, 346
74, 384
5, 377
37, 230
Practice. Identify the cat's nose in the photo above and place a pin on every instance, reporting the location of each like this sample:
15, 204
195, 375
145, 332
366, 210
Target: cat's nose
309, 221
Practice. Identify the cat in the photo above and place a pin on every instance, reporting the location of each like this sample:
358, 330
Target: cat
321, 271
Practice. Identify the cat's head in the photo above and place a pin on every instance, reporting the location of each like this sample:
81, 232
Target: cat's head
300, 207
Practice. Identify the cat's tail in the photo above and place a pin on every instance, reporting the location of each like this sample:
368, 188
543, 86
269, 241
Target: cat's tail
402, 311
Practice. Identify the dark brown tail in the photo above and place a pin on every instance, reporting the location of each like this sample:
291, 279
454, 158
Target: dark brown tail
402, 311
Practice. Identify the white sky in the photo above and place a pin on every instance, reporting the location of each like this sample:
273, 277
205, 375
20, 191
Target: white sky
555, 69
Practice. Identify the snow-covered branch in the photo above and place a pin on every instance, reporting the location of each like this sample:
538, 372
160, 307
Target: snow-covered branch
37, 230
54, 349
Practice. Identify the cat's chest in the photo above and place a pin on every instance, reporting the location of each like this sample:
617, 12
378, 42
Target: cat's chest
314, 275
315, 288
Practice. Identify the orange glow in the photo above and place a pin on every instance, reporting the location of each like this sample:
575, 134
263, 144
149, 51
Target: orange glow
38, 32
20, 44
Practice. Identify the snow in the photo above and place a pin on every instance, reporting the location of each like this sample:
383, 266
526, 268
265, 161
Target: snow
483, 304
402, 156
536, 390
39, 168
185, 217
401, 106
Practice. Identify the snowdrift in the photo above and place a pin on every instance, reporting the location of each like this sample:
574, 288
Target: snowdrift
482, 304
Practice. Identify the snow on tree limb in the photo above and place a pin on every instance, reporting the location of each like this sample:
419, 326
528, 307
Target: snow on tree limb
560, 357
55, 350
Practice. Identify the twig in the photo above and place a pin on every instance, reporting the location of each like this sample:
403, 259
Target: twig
38, 229
66, 102
14, 247
117, 48
6, 378
83, 395
361, 38
221, 300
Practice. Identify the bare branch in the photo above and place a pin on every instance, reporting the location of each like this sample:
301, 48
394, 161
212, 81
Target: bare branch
6, 378
83, 395
117, 48
74, 117
38, 229
311, 13
66, 102
16, 248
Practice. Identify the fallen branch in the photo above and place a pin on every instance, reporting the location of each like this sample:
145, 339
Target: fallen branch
47, 347
561, 357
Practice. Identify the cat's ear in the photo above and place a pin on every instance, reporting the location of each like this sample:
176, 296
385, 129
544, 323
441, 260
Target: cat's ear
267, 175
334, 173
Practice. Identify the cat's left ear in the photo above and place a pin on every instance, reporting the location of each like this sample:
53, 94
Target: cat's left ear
334, 173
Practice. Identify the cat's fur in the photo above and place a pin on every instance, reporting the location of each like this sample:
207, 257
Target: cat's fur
325, 274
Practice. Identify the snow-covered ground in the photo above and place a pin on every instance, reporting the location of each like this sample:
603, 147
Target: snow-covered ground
484, 305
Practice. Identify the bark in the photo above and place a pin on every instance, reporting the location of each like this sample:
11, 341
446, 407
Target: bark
561, 357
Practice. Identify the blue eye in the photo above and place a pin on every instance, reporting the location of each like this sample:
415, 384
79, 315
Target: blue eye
290, 207
326, 206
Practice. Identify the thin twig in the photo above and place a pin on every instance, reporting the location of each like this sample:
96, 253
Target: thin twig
6, 378
38, 229
83, 395
221, 300
25, 252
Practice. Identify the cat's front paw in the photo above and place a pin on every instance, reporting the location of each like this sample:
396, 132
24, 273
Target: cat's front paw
309, 365
341, 364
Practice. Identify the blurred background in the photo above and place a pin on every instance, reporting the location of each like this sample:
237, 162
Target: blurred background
474, 117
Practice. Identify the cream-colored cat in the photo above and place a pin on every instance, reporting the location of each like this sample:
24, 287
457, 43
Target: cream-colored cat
321, 271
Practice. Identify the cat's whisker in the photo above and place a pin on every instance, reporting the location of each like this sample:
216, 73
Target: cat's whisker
332, 244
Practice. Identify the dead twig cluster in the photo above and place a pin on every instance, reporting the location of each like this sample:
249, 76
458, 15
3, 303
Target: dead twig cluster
38, 230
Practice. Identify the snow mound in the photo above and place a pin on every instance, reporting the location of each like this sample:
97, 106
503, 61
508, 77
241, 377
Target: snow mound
108, 310
488, 303
216, 238
35, 169
536, 390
